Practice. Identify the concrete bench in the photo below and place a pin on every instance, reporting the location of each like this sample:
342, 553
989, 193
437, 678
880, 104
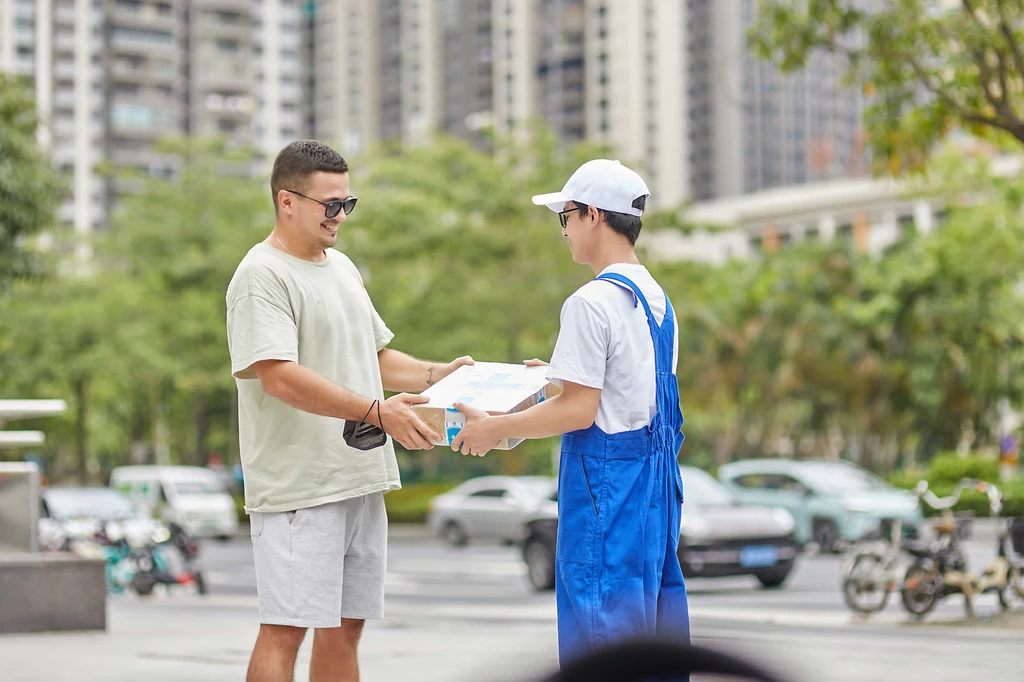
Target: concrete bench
42, 592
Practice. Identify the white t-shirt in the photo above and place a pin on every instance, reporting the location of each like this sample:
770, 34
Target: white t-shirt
320, 316
605, 342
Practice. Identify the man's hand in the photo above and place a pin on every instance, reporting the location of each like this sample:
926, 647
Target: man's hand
402, 424
475, 438
435, 374
535, 363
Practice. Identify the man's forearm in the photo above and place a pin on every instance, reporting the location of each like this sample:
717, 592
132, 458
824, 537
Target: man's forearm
403, 373
550, 418
305, 390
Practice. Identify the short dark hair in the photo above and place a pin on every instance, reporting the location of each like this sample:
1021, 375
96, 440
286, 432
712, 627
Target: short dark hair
297, 162
622, 223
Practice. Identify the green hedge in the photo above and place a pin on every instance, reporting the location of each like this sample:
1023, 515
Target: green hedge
407, 505
946, 470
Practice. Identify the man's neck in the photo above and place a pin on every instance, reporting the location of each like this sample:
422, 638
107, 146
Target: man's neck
281, 242
615, 254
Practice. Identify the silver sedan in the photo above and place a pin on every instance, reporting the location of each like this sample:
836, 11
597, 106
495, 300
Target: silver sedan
489, 508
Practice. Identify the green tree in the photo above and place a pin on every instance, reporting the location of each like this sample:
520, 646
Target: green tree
30, 189
927, 67
58, 338
174, 246
459, 261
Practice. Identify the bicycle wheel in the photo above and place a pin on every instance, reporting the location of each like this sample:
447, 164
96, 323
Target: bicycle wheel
920, 591
867, 586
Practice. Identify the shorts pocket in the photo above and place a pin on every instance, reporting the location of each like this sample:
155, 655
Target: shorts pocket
255, 524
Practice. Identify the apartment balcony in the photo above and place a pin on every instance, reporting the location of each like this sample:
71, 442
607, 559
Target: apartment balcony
143, 118
158, 72
227, 106
145, 17
210, 28
226, 75
244, 7
142, 41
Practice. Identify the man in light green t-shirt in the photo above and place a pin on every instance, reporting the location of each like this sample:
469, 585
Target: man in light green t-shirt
308, 353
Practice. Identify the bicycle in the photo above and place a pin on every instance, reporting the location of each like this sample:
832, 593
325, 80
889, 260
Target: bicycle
873, 566
940, 567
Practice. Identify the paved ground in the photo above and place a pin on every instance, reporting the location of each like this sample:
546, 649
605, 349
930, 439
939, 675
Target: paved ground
455, 615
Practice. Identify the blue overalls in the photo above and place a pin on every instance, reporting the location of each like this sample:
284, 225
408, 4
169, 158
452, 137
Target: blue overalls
620, 496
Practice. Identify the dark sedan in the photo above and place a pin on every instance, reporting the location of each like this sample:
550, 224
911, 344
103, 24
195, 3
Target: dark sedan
718, 537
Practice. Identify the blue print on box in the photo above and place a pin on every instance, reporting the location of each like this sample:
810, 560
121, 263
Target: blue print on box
455, 420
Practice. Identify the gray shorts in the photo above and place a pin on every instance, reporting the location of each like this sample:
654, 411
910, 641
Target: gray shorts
317, 565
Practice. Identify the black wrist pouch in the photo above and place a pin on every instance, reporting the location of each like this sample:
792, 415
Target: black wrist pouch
363, 435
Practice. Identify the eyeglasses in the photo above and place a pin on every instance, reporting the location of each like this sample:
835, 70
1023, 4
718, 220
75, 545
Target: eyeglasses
331, 208
563, 216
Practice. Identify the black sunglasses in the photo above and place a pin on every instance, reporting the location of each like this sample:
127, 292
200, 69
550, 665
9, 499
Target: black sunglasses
563, 216
331, 208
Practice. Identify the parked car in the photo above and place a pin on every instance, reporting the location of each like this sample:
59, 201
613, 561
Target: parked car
76, 514
193, 497
488, 508
833, 503
718, 536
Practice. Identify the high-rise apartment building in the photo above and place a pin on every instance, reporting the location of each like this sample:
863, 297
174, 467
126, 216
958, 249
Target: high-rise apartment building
668, 85
752, 128
112, 77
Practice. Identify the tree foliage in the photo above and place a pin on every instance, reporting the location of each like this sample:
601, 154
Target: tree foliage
927, 67
30, 189
816, 351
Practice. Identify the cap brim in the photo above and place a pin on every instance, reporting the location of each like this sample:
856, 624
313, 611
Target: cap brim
555, 200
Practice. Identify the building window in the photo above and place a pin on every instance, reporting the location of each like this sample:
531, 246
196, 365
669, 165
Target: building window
139, 117
120, 35
227, 45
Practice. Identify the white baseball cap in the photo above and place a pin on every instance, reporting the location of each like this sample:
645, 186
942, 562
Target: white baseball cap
601, 183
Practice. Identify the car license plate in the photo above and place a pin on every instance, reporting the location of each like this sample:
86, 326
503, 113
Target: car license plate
759, 555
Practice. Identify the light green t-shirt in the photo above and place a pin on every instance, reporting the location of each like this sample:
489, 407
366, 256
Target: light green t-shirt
320, 316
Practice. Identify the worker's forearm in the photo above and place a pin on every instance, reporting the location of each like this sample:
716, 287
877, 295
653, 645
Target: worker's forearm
550, 418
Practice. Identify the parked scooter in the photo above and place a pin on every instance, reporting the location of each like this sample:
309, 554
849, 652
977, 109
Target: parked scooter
1005, 574
940, 567
157, 567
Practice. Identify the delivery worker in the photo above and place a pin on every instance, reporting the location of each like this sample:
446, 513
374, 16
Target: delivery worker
619, 489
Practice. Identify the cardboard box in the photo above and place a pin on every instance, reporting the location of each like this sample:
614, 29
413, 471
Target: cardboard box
494, 387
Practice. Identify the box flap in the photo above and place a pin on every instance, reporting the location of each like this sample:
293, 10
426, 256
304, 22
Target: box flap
488, 386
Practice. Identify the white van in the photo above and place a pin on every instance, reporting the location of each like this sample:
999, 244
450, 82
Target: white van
193, 497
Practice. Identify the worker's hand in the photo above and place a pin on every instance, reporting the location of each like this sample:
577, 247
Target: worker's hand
477, 437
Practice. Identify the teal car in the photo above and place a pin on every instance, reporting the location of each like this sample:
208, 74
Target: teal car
832, 503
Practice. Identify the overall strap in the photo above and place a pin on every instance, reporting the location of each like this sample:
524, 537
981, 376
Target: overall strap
627, 283
663, 335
